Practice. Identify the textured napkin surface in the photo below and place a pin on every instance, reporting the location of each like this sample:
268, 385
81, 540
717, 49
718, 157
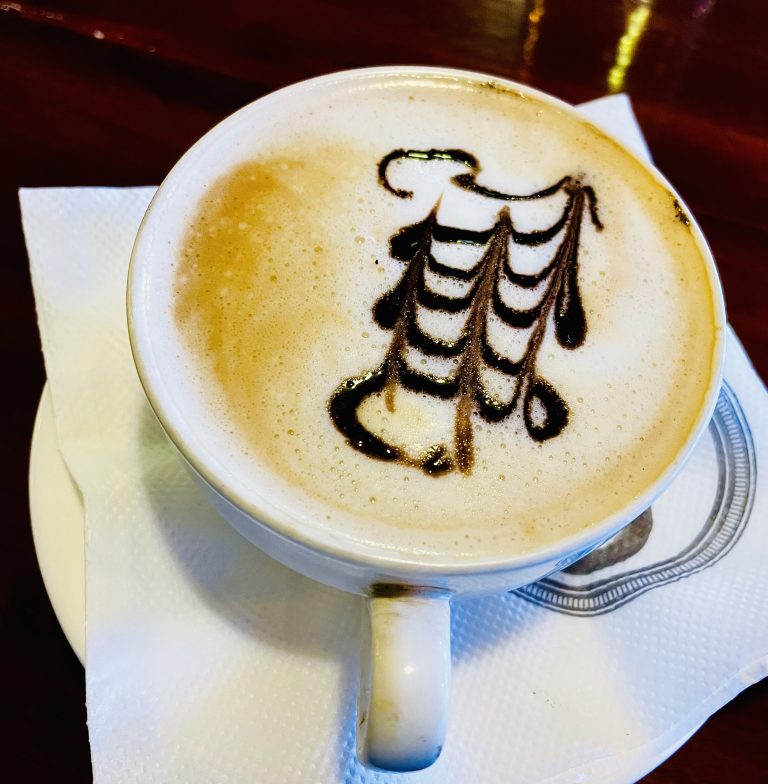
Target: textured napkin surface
208, 662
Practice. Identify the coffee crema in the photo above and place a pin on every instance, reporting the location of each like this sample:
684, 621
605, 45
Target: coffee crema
439, 318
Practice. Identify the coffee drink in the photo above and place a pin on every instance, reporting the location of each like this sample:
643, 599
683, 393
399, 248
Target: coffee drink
436, 318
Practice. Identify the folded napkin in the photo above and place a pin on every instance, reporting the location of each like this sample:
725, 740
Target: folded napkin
208, 662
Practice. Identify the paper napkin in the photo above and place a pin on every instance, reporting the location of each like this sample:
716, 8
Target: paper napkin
209, 663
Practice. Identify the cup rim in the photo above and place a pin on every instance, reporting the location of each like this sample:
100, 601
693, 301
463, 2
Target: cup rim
410, 566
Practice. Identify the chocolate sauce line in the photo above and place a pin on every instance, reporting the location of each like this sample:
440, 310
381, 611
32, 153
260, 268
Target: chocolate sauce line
526, 380
461, 236
395, 355
435, 347
450, 272
456, 156
563, 253
469, 368
397, 310
466, 181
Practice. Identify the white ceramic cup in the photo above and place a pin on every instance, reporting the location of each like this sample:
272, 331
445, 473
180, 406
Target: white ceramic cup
403, 703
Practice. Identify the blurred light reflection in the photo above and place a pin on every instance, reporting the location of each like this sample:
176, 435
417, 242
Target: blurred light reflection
703, 8
535, 15
636, 22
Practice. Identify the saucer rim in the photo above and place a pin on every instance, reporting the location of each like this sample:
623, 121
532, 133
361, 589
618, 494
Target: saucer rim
57, 516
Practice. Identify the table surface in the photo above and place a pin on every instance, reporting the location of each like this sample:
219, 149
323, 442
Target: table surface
111, 93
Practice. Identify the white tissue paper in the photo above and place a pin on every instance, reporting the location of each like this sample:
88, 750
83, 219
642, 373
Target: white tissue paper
208, 662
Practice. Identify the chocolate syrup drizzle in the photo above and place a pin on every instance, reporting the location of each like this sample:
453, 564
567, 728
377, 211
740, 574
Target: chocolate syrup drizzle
396, 311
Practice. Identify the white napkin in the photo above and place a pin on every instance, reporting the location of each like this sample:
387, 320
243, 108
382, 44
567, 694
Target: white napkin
210, 663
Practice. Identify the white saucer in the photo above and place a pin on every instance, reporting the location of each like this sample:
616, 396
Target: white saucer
58, 527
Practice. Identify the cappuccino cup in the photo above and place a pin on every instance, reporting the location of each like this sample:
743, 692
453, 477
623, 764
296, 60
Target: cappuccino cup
423, 333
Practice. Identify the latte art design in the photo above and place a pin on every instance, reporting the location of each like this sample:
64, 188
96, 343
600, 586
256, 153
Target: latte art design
543, 410
543, 374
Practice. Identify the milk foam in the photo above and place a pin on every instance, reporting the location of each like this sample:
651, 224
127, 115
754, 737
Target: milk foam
274, 263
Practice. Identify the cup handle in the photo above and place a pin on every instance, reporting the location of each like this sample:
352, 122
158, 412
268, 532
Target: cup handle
405, 678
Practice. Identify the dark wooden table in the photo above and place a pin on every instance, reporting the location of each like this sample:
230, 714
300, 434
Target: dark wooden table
111, 93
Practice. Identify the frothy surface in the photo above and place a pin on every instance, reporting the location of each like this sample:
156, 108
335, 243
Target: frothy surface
271, 286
